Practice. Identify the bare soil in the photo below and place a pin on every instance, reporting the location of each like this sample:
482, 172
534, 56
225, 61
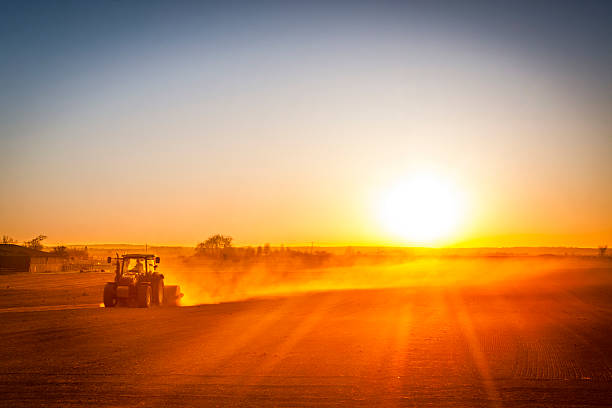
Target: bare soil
543, 342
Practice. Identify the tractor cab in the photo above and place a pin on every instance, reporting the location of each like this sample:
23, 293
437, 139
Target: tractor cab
137, 265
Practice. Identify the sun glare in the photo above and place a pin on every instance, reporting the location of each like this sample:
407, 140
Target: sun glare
424, 209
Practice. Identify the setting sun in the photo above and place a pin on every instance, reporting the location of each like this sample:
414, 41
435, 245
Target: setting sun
423, 209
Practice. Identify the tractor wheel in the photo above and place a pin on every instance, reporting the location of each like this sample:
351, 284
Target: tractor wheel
110, 295
158, 292
144, 295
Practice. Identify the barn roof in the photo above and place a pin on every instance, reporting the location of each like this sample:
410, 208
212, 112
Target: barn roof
18, 250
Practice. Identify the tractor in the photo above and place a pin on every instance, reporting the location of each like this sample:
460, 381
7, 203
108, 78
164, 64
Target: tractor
138, 284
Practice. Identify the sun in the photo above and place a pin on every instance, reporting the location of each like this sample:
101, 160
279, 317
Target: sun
423, 210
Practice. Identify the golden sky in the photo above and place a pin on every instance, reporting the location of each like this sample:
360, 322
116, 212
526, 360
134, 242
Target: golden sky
293, 126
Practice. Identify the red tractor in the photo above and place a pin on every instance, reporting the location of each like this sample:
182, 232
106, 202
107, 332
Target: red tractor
138, 284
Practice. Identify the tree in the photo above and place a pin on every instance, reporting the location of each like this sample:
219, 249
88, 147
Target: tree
35, 243
8, 240
602, 250
213, 245
61, 250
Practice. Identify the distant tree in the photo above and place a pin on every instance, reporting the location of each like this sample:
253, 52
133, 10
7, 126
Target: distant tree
35, 243
602, 250
259, 251
226, 242
213, 245
8, 240
266, 249
61, 250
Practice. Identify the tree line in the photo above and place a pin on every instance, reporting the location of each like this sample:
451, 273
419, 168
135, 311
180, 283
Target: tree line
220, 247
36, 243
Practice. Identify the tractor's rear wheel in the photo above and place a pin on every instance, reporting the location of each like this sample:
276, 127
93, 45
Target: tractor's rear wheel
110, 295
158, 292
144, 295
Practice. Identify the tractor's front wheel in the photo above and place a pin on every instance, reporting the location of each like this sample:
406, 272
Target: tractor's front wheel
110, 295
144, 295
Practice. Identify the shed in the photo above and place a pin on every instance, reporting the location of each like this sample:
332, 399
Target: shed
17, 258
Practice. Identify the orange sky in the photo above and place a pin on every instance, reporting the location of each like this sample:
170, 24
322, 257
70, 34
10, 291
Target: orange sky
292, 129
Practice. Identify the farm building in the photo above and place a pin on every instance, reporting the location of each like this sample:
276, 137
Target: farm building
16, 258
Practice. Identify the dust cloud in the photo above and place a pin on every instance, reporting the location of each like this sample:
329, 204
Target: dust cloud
216, 282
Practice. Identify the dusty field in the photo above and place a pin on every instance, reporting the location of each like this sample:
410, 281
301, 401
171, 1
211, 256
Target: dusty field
541, 341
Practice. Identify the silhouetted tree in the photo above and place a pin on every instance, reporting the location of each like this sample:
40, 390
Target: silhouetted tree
602, 250
8, 240
35, 243
213, 245
61, 250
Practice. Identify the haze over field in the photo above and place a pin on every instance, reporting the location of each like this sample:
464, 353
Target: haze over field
460, 332
446, 124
